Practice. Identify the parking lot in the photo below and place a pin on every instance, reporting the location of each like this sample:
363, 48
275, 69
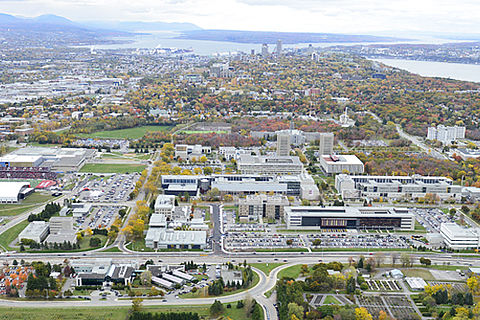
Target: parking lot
252, 240
114, 188
431, 219
100, 218
348, 240
247, 227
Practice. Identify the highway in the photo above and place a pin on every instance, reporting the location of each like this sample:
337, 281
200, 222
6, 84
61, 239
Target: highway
265, 284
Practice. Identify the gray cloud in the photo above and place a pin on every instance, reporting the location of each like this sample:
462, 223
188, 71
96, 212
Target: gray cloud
352, 16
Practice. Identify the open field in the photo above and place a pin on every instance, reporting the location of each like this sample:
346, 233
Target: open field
106, 313
266, 267
112, 168
32, 201
11, 234
421, 273
290, 272
201, 131
130, 133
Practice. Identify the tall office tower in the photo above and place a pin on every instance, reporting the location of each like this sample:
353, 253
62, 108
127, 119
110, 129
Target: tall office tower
265, 50
278, 49
283, 144
325, 145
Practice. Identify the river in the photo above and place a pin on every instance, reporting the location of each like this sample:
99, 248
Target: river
457, 71
167, 39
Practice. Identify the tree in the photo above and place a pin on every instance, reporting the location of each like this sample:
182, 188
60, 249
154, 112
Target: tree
95, 242
137, 304
362, 314
394, 258
379, 257
207, 170
382, 315
146, 277
351, 284
295, 310
216, 308
406, 260
360, 262
473, 283
425, 261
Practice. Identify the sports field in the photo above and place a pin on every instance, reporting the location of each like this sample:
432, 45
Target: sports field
130, 133
112, 168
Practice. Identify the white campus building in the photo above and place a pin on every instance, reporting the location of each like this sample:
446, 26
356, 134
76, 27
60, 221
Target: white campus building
275, 165
165, 204
459, 238
444, 134
341, 163
395, 187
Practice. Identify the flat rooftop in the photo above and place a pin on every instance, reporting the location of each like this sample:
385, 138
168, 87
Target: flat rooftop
341, 159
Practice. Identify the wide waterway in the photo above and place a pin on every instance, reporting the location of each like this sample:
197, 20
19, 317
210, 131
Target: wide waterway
457, 71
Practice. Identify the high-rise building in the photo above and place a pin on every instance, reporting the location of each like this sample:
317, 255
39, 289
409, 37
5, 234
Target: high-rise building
325, 145
265, 50
283, 144
446, 135
278, 49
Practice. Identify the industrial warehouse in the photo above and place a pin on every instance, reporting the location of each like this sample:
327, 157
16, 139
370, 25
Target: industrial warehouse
13, 192
57, 159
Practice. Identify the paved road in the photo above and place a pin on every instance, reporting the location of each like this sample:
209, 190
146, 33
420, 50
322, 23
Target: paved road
429, 150
216, 216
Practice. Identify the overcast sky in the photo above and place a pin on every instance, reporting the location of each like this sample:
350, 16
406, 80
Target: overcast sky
347, 16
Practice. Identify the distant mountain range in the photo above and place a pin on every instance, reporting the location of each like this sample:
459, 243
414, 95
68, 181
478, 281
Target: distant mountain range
51, 30
51, 22
140, 26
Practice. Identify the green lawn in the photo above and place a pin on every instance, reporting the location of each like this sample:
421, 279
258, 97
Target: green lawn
266, 267
32, 201
290, 272
108, 313
419, 227
14, 209
331, 300
112, 249
139, 245
130, 133
11, 234
112, 168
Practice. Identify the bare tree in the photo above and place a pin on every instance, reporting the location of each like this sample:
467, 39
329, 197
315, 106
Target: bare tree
405, 258
394, 258
379, 258
351, 261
